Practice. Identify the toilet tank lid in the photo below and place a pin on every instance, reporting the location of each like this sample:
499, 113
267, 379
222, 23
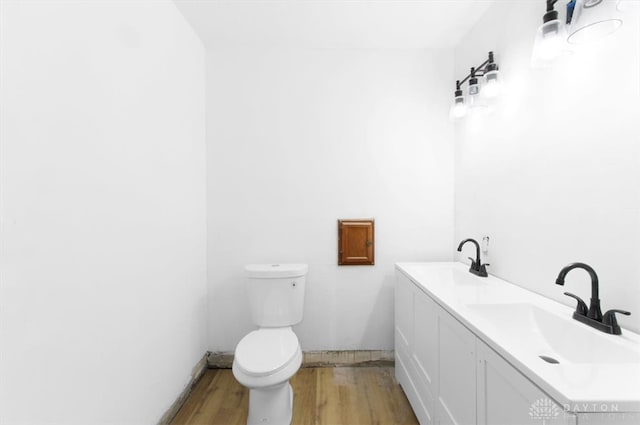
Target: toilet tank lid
274, 271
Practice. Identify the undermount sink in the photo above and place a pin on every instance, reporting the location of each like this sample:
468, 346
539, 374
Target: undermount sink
553, 337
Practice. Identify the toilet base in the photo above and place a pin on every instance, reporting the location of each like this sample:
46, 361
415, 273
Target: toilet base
271, 405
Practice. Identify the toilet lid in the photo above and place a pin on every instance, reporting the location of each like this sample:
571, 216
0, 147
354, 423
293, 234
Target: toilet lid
266, 351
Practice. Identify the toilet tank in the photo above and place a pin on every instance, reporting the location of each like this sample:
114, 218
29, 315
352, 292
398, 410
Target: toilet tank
276, 293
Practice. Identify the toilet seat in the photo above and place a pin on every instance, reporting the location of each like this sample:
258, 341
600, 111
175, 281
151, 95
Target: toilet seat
266, 351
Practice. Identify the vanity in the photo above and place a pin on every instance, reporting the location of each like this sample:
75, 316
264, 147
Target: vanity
480, 350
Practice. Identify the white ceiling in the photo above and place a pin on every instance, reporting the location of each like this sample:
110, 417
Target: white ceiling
332, 23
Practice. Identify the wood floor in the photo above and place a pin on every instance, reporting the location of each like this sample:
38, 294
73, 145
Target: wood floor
323, 396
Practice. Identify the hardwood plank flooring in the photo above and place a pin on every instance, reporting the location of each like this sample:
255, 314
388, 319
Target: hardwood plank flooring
323, 396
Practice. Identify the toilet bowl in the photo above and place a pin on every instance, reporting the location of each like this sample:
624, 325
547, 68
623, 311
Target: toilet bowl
265, 359
264, 362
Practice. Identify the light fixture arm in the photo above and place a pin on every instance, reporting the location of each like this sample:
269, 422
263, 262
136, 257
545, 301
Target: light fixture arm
480, 70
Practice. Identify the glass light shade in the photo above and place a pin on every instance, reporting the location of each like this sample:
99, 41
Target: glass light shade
550, 43
593, 19
474, 89
475, 102
492, 87
459, 108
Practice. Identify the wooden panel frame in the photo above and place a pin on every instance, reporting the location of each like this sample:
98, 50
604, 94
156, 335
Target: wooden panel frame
356, 242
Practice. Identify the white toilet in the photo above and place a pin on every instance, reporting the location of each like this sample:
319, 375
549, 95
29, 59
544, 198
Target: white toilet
265, 359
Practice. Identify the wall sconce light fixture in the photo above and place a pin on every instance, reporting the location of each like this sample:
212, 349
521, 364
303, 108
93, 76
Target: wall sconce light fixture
587, 21
550, 38
591, 20
476, 92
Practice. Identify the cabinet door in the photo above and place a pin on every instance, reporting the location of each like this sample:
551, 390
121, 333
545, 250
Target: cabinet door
403, 334
356, 242
406, 373
403, 312
456, 403
425, 350
506, 397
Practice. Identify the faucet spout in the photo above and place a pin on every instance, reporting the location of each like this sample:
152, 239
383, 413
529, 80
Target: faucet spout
594, 308
477, 248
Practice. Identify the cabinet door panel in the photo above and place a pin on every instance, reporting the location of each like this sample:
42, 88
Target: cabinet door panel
456, 372
405, 376
404, 310
406, 373
506, 397
425, 349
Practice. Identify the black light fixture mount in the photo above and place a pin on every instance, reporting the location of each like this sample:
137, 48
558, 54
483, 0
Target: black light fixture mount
552, 14
487, 69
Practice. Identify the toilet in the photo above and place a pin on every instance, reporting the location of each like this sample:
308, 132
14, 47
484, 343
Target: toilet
265, 359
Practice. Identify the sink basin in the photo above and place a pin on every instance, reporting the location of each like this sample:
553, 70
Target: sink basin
555, 337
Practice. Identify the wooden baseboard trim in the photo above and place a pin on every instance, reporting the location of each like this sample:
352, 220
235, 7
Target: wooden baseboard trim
219, 360
196, 373
348, 358
338, 358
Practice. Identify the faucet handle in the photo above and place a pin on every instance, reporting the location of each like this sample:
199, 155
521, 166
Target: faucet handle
615, 310
473, 262
581, 308
609, 319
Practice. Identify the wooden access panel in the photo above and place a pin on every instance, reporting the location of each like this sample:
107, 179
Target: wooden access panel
356, 242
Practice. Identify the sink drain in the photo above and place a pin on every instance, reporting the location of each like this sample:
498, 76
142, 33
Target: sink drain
549, 359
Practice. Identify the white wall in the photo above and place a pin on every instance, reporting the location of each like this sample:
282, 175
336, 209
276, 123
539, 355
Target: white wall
553, 176
299, 138
103, 292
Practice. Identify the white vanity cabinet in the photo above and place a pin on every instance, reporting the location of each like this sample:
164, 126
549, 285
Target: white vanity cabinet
451, 377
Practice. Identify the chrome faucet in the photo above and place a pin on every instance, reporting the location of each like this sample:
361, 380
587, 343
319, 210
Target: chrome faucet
593, 315
477, 267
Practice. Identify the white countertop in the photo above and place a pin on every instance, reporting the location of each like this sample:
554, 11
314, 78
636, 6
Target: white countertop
579, 384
